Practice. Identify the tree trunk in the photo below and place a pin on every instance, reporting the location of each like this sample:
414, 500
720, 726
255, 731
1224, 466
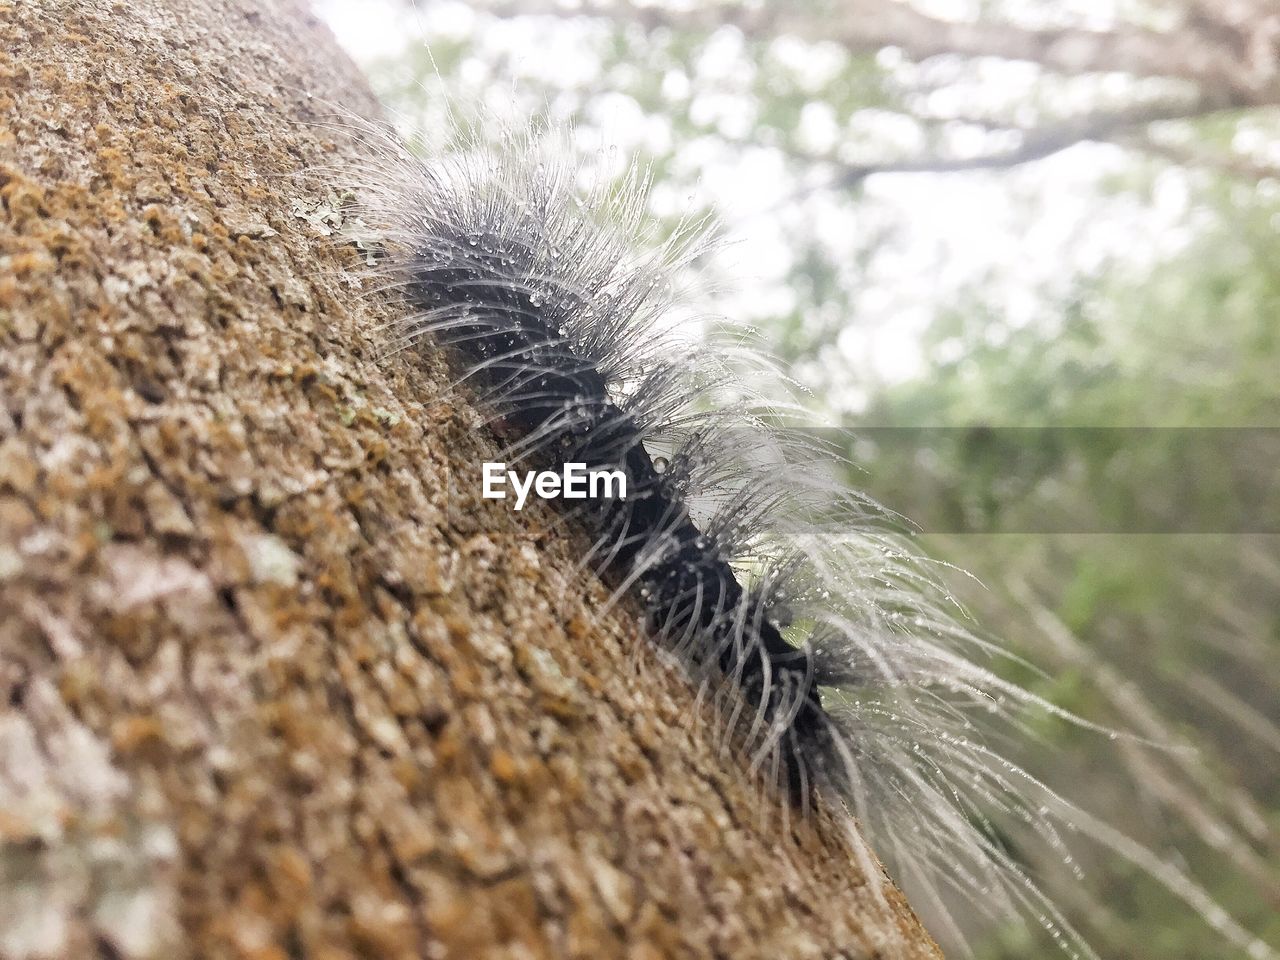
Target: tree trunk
271, 689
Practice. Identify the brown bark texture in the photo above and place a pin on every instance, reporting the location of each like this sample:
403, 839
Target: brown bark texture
269, 687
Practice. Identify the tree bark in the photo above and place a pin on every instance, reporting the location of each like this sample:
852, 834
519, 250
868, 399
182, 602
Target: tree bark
271, 688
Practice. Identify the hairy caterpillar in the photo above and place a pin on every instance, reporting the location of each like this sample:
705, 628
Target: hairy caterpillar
791, 602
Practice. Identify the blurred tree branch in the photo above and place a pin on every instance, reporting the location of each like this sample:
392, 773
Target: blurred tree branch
1205, 51
1036, 142
1227, 52
1187, 155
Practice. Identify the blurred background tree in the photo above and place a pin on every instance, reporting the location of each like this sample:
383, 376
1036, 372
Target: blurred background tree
971, 214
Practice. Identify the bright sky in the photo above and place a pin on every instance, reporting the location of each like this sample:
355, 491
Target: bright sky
952, 229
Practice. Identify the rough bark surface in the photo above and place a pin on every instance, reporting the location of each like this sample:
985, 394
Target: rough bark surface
270, 688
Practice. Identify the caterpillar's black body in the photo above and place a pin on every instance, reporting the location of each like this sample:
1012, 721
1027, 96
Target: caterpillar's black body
826, 645
515, 345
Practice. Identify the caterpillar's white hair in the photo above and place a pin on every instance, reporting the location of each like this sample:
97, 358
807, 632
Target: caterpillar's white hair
840, 667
